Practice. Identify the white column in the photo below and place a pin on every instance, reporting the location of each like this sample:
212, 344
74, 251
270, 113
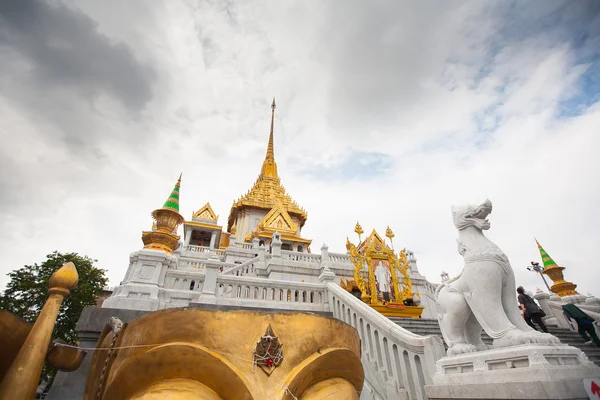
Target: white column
187, 233
209, 288
213, 236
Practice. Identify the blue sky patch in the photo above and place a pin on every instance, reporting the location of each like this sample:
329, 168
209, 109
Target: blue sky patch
357, 165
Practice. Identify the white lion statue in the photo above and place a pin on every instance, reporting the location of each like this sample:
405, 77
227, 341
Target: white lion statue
484, 294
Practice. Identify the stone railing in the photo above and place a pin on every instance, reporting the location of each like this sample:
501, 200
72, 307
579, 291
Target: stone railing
201, 265
198, 249
245, 246
397, 363
339, 258
300, 257
266, 293
245, 268
204, 249
180, 280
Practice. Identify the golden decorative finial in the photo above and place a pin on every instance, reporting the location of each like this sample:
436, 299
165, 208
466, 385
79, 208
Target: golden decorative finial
359, 230
178, 184
390, 235
64, 280
21, 380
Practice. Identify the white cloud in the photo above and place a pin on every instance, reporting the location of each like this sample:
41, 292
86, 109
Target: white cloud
463, 111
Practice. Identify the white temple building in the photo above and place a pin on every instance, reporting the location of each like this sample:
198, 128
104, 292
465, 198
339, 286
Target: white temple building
259, 259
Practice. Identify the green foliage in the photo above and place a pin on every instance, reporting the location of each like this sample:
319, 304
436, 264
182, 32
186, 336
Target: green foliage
27, 292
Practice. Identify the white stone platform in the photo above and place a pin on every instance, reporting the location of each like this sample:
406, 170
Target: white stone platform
519, 372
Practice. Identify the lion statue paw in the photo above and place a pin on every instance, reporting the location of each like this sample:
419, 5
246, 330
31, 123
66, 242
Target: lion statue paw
515, 337
545, 338
461, 348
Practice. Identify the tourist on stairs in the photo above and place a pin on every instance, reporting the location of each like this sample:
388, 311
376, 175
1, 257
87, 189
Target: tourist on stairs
585, 323
530, 309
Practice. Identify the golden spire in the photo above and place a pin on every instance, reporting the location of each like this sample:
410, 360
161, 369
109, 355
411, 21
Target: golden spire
270, 151
269, 167
267, 189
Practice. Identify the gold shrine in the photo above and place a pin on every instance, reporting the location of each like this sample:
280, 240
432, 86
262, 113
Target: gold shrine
375, 263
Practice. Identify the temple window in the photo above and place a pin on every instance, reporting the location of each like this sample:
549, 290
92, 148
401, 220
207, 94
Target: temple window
192, 284
300, 248
286, 246
200, 238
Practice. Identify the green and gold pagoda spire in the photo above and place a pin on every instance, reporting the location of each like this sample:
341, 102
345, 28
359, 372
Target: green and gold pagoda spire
167, 219
173, 200
555, 272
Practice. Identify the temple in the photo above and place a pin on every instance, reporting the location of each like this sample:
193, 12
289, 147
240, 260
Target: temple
312, 322
262, 240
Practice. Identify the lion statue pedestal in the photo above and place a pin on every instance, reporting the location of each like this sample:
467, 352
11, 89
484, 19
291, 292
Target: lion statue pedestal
522, 363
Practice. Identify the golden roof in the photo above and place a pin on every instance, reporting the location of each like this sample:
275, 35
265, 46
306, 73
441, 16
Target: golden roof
268, 191
374, 240
206, 212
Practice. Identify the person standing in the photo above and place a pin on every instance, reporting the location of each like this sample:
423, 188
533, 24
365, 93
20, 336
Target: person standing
585, 323
530, 309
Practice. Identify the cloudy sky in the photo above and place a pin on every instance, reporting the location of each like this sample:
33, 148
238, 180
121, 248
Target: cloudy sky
388, 113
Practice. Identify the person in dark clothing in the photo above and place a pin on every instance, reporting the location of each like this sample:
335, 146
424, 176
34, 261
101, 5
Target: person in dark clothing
530, 309
528, 321
585, 323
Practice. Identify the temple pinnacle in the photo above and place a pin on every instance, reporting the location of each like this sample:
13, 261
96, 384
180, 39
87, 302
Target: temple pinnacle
270, 149
173, 200
269, 168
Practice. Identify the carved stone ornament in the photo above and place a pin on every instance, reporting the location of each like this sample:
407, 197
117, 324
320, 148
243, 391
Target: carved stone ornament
268, 353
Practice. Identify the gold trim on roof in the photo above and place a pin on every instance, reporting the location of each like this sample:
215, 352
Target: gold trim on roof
278, 220
290, 238
203, 225
375, 241
206, 212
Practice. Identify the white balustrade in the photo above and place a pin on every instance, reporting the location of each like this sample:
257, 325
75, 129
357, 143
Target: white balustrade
390, 353
178, 281
266, 293
245, 268
198, 249
339, 258
301, 257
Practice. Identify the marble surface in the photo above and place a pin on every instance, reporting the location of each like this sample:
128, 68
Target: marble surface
519, 372
483, 296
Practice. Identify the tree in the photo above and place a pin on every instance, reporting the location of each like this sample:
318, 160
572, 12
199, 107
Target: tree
27, 292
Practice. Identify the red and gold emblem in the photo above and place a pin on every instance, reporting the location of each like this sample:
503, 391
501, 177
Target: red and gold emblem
268, 353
